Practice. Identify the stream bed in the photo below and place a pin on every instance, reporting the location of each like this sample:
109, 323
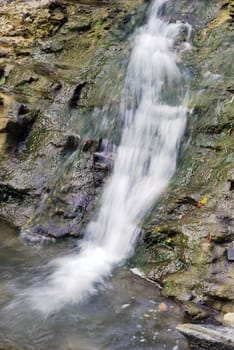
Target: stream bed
128, 313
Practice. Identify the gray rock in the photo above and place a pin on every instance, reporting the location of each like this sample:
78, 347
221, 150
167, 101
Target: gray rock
230, 254
208, 336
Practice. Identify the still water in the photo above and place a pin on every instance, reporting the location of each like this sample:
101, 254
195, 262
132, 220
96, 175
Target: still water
125, 314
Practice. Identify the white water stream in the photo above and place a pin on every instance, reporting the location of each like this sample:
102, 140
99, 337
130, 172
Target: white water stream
145, 161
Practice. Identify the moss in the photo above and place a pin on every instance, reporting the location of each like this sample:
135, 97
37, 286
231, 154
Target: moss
223, 17
183, 284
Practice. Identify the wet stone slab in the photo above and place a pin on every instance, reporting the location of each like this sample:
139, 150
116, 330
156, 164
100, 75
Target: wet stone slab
230, 254
208, 336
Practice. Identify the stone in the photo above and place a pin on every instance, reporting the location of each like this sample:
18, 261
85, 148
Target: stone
230, 184
230, 254
90, 145
74, 59
208, 336
3, 142
72, 142
228, 319
194, 311
3, 124
208, 274
53, 83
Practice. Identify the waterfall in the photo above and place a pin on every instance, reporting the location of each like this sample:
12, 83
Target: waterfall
154, 119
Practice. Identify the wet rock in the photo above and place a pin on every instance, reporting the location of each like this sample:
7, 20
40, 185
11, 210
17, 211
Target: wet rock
91, 145
194, 311
8, 192
205, 171
222, 289
73, 103
230, 254
67, 142
228, 319
230, 184
78, 25
218, 252
57, 57
188, 200
17, 130
103, 161
72, 143
52, 46
34, 238
208, 337
4, 124
27, 78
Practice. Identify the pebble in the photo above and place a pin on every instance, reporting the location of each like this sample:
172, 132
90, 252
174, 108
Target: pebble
162, 307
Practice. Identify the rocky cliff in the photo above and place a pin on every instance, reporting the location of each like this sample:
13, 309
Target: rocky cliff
189, 237
61, 64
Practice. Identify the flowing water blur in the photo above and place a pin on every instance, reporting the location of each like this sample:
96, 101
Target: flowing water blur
122, 314
154, 119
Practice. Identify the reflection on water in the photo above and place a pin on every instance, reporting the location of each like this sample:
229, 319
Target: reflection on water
125, 315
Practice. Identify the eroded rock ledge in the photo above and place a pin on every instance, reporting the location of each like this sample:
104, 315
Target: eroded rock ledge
208, 337
60, 63
189, 237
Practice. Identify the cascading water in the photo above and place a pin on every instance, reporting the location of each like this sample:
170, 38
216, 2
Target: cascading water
154, 123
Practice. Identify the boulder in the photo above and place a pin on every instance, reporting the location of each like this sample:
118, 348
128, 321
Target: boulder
208, 336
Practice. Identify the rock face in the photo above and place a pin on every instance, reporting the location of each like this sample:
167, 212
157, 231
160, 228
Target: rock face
228, 319
55, 79
62, 65
208, 337
189, 236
